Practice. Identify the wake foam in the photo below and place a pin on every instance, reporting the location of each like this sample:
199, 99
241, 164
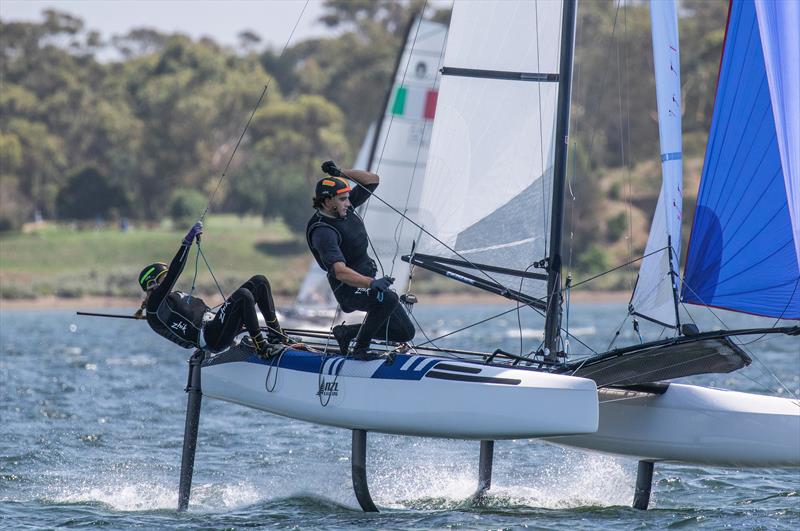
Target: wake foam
134, 497
547, 480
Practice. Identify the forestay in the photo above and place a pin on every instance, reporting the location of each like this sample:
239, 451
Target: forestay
488, 185
655, 295
744, 251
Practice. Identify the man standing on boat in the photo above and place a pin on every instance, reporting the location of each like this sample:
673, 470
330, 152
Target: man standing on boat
338, 240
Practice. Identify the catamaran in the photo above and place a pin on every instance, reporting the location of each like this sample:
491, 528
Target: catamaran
490, 215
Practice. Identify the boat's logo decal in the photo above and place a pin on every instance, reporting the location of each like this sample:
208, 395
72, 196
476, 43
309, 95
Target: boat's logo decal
328, 389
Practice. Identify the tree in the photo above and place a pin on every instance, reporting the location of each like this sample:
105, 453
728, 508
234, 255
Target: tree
186, 206
88, 194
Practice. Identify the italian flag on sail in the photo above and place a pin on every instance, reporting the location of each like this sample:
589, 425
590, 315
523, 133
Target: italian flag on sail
415, 103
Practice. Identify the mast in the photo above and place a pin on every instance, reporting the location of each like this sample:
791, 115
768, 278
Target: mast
553, 317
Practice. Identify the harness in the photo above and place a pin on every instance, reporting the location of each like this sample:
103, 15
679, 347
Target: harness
352, 238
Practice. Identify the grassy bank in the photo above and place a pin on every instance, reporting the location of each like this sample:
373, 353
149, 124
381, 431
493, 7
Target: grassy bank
70, 262
67, 261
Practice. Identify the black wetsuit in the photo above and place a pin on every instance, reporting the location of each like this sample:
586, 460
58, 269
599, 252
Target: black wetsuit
179, 316
345, 240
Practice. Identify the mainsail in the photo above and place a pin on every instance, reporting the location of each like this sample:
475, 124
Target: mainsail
655, 295
488, 187
744, 251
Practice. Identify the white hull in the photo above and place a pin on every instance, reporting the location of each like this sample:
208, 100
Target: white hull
415, 395
697, 425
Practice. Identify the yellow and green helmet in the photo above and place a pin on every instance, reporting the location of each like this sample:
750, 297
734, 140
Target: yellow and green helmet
151, 274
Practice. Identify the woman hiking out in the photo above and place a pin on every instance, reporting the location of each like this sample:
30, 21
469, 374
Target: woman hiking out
187, 320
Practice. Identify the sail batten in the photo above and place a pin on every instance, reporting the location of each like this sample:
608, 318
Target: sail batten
500, 74
744, 252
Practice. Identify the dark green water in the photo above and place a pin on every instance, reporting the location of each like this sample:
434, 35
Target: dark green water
91, 426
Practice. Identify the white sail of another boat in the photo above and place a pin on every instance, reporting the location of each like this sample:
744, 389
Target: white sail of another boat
400, 152
655, 295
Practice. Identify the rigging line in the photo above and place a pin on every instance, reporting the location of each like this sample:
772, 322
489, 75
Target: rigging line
487, 319
369, 240
545, 206
761, 385
763, 365
616, 334
570, 178
196, 264
617, 267
606, 71
626, 169
686, 309
422, 329
791, 297
201, 253
482, 321
247, 125
400, 224
519, 305
423, 229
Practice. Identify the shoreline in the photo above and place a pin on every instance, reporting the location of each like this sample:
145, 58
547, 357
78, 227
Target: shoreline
79, 303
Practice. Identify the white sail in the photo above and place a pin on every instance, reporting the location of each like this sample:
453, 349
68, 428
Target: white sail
488, 186
401, 150
654, 295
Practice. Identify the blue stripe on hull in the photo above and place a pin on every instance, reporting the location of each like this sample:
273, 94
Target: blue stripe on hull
298, 360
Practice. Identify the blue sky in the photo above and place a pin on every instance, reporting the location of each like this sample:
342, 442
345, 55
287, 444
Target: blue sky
222, 20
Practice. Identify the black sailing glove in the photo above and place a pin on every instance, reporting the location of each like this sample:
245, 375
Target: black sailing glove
331, 169
194, 233
381, 284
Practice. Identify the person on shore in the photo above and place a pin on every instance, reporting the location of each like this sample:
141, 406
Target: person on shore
187, 320
338, 240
